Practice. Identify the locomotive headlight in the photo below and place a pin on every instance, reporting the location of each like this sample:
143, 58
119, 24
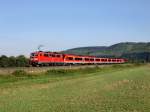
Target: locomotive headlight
35, 59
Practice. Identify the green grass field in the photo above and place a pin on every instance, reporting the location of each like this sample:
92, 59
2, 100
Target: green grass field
108, 89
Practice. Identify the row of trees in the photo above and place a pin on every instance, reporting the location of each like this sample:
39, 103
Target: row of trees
142, 57
19, 61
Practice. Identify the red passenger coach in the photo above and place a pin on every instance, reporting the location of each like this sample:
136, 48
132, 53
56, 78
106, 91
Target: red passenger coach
53, 58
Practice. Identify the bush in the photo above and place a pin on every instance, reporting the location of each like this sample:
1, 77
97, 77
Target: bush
59, 71
19, 73
4, 61
62, 72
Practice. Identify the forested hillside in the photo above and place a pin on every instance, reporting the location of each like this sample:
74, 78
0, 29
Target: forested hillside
116, 49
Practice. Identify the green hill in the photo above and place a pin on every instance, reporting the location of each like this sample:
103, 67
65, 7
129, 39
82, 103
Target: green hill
113, 50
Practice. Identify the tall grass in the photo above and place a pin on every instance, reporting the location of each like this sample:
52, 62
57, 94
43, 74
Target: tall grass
20, 75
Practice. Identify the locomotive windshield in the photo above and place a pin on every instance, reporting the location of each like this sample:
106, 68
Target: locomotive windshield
34, 54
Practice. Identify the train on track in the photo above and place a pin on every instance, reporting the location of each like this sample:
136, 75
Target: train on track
41, 58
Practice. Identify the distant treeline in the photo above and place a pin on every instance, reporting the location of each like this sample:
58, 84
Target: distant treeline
142, 57
19, 61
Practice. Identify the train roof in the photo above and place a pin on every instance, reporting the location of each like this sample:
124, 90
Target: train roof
61, 53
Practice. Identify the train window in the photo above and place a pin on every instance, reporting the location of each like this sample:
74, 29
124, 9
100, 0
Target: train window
105, 59
102, 59
58, 56
53, 55
78, 59
46, 55
97, 59
91, 59
50, 55
109, 60
86, 59
34, 54
69, 58
113, 60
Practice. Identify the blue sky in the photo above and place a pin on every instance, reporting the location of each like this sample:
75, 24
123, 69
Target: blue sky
64, 24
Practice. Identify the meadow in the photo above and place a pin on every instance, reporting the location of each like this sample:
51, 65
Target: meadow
117, 88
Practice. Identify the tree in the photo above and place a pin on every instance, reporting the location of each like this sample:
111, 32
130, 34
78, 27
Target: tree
4, 62
22, 61
12, 61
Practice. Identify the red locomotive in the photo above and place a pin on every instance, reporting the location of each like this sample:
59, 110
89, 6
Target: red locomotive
40, 58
